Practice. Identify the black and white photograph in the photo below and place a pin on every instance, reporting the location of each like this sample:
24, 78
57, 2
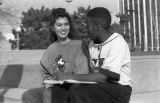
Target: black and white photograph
79, 51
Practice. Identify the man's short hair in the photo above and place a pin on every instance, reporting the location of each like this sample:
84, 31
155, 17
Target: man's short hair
101, 16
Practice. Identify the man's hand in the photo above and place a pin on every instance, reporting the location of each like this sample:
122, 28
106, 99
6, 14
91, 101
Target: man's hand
62, 76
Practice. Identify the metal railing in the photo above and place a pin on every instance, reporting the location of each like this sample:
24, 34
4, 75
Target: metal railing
142, 24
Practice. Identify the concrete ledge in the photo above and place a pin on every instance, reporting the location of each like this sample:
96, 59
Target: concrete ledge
20, 76
145, 73
20, 56
21, 69
150, 97
11, 95
14, 95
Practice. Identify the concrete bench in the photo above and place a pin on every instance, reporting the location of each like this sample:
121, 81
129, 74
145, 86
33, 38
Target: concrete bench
18, 75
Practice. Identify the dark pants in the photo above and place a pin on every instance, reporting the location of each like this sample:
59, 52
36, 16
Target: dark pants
91, 93
60, 93
86, 93
33, 96
100, 93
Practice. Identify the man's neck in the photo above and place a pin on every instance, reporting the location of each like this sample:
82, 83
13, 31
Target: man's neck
105, 35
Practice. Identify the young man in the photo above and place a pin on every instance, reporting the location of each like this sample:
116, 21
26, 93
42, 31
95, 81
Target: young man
110, 62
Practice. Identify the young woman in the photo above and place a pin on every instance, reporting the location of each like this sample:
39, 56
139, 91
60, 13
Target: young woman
64, 49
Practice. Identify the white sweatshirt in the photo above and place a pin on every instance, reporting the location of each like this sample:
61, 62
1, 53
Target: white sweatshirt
114, 55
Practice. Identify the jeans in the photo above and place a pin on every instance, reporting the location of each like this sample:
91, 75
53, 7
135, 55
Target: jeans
33, 95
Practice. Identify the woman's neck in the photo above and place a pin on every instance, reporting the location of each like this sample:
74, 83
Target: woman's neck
65, 41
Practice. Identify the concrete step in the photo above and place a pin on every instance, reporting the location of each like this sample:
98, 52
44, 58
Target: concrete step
9, 100
149, 97
14, 95
11, 95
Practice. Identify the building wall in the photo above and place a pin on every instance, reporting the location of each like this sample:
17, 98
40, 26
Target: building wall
5, 45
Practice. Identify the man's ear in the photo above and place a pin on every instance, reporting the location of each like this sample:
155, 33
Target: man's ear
97, 27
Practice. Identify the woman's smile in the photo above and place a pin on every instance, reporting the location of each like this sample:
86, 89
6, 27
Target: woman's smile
62, 27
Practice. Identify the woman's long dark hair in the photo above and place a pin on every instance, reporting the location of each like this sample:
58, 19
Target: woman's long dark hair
57, 13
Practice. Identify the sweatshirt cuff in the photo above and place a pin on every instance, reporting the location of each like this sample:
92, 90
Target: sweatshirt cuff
111, 76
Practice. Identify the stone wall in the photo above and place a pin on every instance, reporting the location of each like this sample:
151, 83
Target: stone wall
22, 69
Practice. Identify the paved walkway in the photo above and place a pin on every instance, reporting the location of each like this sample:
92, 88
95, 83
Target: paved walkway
13, 95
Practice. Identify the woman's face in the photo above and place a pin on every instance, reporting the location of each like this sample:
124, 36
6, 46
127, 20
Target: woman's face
61, 28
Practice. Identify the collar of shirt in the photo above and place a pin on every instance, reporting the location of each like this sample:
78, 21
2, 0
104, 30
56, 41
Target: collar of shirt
112, 37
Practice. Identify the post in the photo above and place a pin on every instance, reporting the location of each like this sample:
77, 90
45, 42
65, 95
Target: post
129, 22
157, 32
120, 6
145, 27
139, 24
68, 1
151, 22
18, 30
134, 27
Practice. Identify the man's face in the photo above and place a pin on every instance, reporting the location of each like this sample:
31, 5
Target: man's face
91, 28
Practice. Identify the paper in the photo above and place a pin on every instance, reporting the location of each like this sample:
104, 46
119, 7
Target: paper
76, 81
50, 81
66, 81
